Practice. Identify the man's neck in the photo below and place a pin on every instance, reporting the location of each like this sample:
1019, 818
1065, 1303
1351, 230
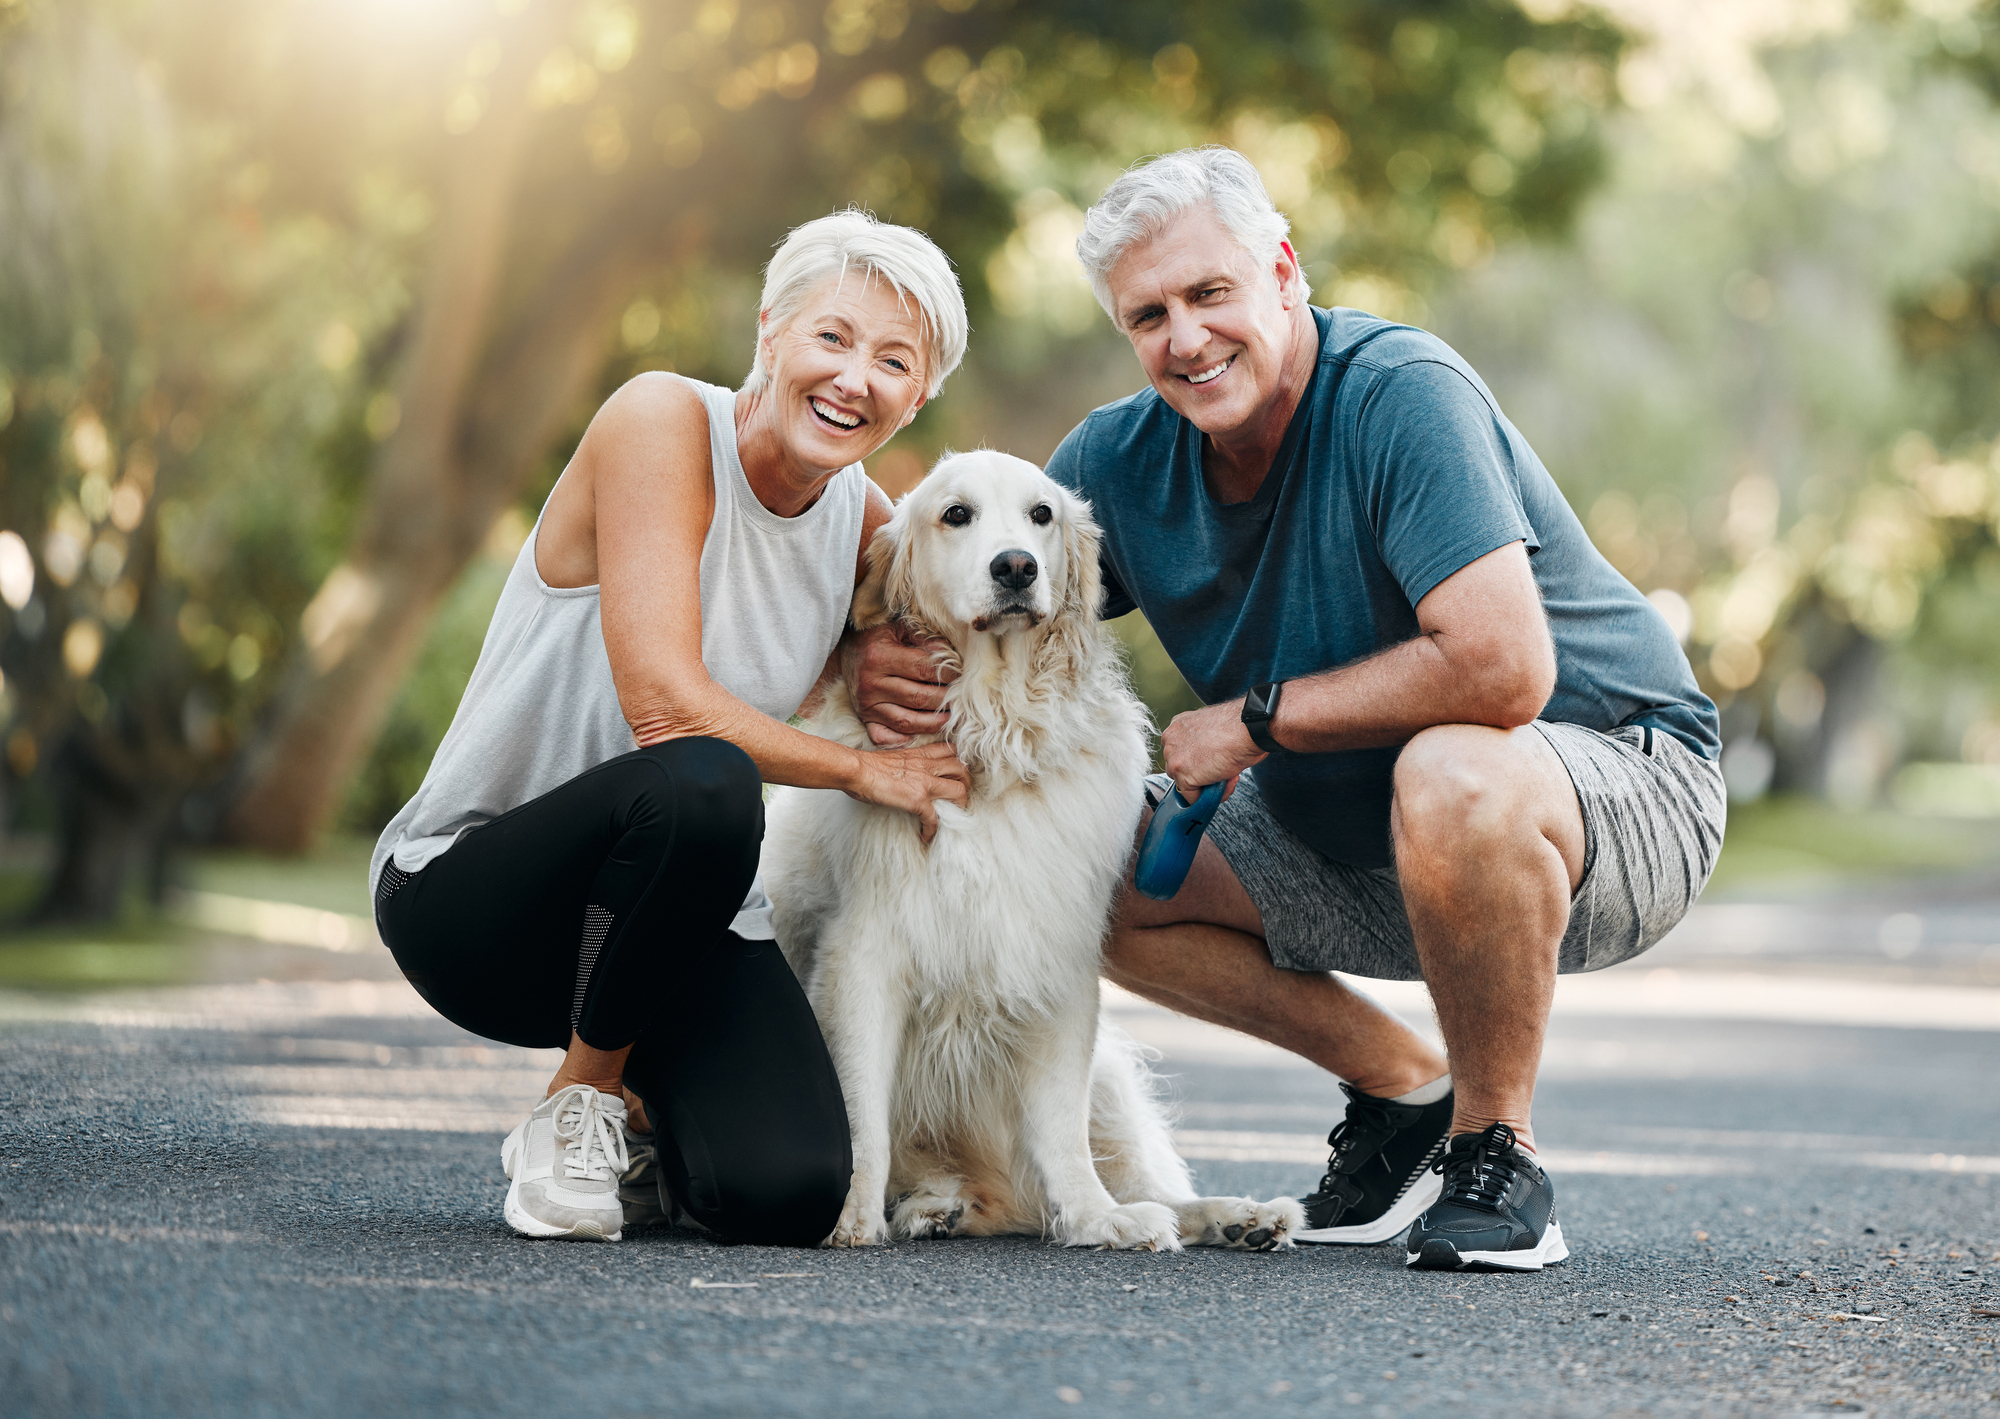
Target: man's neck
1236, 463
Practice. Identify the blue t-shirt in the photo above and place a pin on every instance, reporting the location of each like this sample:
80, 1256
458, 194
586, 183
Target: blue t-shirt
1397, 470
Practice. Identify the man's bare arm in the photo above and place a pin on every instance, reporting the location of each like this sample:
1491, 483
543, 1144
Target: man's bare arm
1483, 656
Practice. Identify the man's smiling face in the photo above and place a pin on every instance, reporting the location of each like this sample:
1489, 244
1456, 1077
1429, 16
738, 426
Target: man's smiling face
1211, 324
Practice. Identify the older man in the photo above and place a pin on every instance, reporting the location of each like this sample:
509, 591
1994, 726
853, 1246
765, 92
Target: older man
1463, 747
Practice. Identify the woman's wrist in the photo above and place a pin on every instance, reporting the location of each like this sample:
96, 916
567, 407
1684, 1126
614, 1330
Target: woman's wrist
855, 774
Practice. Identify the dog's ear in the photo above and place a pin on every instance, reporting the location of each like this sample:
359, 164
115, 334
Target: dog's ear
1073, 638
885, 591
1083, 578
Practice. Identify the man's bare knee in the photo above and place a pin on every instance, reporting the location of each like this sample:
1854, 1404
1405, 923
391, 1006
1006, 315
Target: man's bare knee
1456, 783
1470, 791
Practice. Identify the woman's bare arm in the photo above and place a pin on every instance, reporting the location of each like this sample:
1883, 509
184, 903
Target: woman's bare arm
633, 512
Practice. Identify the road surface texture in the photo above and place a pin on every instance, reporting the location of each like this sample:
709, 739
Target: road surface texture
276, 1190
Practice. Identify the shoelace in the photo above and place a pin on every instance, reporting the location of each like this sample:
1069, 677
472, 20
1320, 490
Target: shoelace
1355, 1139
593, 1140
1480, 1176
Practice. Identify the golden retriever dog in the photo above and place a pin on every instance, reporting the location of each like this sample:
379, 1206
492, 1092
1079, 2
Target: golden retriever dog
958, 984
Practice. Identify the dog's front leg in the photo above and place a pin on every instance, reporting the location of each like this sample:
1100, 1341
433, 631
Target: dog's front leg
1055, 1104
863, 1021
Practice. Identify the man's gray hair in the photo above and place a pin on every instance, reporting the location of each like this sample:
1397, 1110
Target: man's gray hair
1149, 195
853, 242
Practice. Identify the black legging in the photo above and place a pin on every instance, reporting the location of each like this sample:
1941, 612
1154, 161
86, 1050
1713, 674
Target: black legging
604, 906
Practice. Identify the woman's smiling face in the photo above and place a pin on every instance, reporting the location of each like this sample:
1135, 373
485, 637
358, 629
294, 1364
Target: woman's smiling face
846, 373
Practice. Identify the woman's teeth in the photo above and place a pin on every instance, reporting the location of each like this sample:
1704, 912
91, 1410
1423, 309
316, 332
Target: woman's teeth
834, 416
1204, 376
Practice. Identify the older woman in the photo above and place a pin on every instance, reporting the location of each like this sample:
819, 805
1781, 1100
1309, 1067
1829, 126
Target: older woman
579, 866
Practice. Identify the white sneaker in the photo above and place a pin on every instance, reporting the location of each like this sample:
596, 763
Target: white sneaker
564, 1163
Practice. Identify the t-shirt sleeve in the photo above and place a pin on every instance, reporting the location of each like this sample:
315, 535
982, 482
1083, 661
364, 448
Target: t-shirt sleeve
1440, 477
1067, 466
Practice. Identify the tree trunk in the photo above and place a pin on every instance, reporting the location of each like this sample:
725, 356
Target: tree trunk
481, 405
1848, 662
1851, 679
109, 830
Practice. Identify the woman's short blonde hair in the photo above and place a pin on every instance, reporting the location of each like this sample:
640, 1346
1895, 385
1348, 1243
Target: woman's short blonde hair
855, 242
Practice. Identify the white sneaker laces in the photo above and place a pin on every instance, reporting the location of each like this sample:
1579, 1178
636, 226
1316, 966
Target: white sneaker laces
593, 1139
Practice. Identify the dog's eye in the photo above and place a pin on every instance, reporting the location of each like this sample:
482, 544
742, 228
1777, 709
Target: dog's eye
1041, 515
957, 515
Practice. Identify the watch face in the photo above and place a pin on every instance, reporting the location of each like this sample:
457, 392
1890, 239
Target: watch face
1258, 706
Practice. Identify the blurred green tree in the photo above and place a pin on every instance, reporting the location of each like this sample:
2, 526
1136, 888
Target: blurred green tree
170, 351
1774, 316
396, 253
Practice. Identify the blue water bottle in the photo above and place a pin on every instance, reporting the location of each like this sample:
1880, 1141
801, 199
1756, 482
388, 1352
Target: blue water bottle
1167, 851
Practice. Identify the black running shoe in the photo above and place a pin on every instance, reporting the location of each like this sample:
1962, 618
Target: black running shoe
1380, 1175
1498, 1209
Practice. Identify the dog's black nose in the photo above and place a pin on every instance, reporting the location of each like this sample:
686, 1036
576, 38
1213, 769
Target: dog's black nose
1015, 570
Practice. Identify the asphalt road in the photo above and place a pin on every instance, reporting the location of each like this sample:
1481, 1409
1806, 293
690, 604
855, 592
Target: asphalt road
283, 1197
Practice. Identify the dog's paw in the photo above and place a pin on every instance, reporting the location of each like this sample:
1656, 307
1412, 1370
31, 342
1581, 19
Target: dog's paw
927, 1213
861, 1223
1133, 1226
1242, 1223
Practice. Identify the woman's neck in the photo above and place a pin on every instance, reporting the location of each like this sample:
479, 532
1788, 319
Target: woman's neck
784, 486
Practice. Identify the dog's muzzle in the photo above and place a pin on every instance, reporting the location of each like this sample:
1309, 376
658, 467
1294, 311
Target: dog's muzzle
1013, 572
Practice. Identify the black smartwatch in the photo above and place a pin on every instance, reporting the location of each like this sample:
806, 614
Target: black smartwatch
1258, 707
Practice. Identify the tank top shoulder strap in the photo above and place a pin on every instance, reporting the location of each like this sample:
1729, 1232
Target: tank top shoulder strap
725, 466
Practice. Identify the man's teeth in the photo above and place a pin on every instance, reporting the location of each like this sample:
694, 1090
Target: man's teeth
1204, 376
834, 416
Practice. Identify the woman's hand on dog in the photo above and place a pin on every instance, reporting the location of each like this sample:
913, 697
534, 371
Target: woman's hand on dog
913, 779
1208, 746
896, 683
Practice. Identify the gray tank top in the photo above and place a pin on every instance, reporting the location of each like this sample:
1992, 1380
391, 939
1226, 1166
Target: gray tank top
541, 707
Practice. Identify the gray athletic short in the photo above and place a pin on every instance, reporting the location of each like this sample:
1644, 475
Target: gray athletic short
1653, 813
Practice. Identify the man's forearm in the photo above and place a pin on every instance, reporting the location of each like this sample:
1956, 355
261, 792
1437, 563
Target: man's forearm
1395, 694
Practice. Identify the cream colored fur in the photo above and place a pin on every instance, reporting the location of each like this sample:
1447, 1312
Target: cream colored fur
957, 984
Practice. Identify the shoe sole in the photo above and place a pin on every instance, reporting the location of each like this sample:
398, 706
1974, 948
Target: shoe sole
528, 1226
1440, 1255
1390, 1225
586, 1230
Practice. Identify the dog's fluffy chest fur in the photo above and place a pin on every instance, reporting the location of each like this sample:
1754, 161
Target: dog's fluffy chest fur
1008, 904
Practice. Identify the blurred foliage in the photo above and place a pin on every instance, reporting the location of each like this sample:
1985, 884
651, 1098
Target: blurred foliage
221, 216
171, 369
1761, 367
1763, 373
141, 954
1761, 364
332, 877
430, 693
1789, 844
